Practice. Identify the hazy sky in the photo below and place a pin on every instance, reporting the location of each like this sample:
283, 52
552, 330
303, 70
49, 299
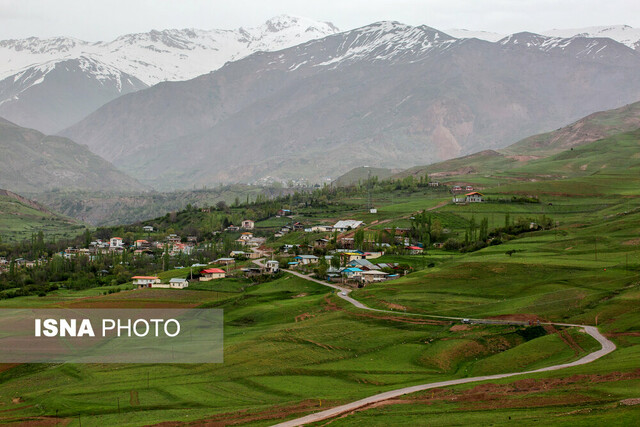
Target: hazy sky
105, 19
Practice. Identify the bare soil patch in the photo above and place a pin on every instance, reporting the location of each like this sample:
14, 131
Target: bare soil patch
459, 328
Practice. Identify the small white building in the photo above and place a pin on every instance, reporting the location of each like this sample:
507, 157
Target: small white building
248, 224
212, 274
178, 283
272, 266
148, 228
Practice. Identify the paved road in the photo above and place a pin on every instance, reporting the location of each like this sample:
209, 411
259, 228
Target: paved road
606, 347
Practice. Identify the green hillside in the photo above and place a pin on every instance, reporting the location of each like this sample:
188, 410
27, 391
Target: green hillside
20, 218
361, 174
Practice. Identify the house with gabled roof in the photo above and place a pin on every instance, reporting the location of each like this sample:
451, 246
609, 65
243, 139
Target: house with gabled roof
347, 224
212, 274
306, 259
474, 197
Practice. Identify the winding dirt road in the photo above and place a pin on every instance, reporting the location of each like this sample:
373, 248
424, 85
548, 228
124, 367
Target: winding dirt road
606, 347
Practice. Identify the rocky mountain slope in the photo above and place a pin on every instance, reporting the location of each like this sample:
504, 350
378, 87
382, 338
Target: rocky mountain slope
33, 162
594, 127
386, 95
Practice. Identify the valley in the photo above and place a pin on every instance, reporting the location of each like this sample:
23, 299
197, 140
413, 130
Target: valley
398, 225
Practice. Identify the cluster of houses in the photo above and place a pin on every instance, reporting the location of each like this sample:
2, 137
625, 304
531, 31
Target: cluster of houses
357, 266
206, 275
19, 263
248, 239
142, 282
247, 224
172, 243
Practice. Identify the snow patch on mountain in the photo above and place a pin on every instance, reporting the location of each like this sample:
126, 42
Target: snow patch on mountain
461, 33
168, 55
386, 41
624, 34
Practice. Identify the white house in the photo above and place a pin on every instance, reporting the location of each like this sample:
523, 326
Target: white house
347, 224
115, 242
145, 281
178, 283
373, 276
306, 259
272, 266
212, 274
245, 238
247, 224
474, 197
148, 228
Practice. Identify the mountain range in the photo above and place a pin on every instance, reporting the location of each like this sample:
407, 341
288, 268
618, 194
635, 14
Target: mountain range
624, 34
49, 84
387, 95
297, 99
33, 162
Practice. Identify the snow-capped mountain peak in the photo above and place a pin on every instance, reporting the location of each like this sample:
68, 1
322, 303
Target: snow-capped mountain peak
171, 54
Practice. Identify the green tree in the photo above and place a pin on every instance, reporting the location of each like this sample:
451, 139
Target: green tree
321, 270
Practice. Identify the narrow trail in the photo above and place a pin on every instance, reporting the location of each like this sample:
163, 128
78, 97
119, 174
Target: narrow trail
607, 347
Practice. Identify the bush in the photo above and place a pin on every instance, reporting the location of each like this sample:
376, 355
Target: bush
452, 244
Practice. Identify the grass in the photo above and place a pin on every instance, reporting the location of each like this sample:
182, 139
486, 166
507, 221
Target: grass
286, 342
19, 221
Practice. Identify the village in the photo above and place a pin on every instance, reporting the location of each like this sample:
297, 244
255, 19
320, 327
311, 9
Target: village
337, 252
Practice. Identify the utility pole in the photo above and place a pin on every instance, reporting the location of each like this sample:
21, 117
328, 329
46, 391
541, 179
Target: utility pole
369, 191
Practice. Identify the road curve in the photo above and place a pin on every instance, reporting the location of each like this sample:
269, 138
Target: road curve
606, 347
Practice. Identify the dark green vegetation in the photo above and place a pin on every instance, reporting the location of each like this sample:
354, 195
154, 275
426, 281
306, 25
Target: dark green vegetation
21, 218
34, 162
